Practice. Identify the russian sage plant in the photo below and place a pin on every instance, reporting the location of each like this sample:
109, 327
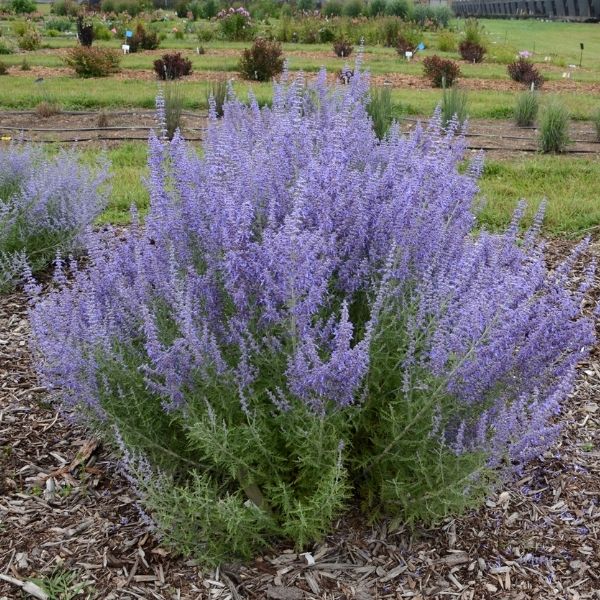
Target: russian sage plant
46, 203
307, 317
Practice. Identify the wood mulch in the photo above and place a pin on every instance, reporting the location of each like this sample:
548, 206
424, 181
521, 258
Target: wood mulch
65, 509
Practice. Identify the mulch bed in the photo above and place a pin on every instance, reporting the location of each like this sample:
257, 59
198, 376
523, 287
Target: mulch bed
65, 508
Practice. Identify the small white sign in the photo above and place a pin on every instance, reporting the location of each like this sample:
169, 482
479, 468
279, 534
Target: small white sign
408, 54
125, 48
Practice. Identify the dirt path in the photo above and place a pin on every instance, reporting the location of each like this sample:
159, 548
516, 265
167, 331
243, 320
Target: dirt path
65, 509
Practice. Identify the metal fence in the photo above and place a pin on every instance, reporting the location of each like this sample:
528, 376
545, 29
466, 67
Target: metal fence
577, 10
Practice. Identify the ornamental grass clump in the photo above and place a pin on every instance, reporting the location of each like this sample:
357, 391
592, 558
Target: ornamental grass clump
527, 106
46, 204
306, 320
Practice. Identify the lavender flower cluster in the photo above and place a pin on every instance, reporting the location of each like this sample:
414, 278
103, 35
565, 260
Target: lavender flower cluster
275, 264
46, 203
223, 14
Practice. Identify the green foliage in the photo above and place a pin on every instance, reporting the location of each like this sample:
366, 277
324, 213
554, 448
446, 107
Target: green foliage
554, 128
58, 24
239, 479
143, 39
131, 7
101, 32
397, 8
454, 105
93, 62
25, 66
30, 41
20, 28
305, 5
5, 48
353, 8
65, 8
446, 41
23, 6
3, 68
262, 61
390, 29
405, 469
217, 91
377, 8
236, 28
61, 585
173, 108
526, 108
380, 110
333, 8
474, 32
596, 122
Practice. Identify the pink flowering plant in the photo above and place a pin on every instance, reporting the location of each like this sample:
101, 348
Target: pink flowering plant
46, 203
308, 319
235, 24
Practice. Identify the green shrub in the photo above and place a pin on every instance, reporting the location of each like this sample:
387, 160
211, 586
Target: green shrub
23, 6
353, 8
441, 16
454, 106
333, 8
474, 32
262, 61
446, 41
5, 48
526, 109
25, 66
377, 8
3, 68
30, 41
173, 108
20, 28
102, 32
204, 33
407, 41
305, 5
440, 71
216, 93
236, 27
554, 128
397, 8
390, 30
65, 8
143, 39
596, 122
421, 14
58, 24
93, 62
380, 109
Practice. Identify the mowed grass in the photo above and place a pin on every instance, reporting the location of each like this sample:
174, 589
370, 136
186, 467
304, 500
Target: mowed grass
570, 185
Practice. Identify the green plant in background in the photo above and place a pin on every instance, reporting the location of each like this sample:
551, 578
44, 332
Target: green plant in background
61, 585
596, 122
3, 68
217, 91
23, 6
380, 109
173, 107
526, 108
446, 41
474, 33
454, 105
554, 128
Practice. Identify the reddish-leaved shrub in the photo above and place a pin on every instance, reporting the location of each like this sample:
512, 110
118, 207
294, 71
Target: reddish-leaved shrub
471, 51
262, 61
525, 72
440, 71
172, 66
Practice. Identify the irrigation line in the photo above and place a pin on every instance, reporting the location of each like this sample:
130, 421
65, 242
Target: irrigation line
100, 139
72, 129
